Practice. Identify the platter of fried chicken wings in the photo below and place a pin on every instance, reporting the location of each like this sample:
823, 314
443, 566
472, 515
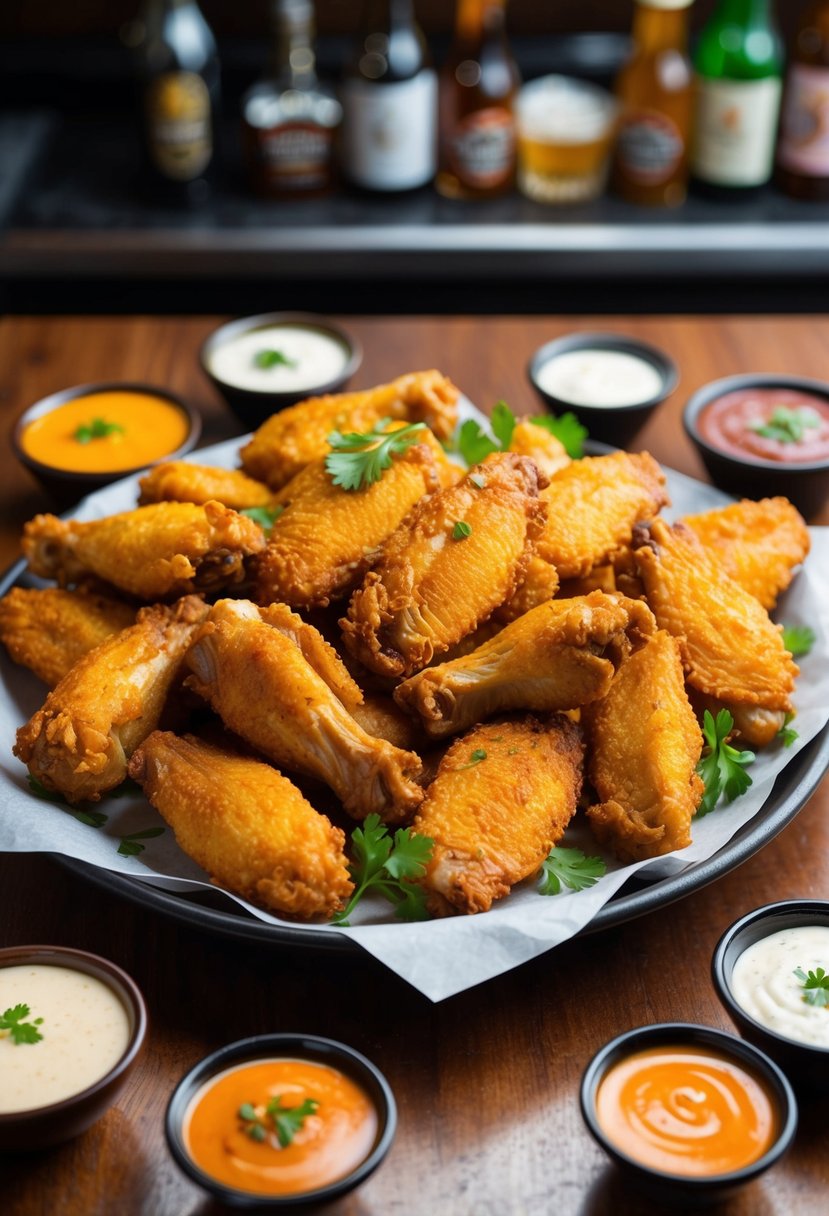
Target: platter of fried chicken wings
501, 659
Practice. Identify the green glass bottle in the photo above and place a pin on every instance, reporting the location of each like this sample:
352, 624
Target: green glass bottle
739, 79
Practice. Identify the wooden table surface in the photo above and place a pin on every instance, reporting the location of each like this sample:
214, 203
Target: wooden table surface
487, 1082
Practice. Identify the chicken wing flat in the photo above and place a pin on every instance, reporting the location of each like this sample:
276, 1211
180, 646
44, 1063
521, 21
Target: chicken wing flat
758, 544
592, 506
379, 716
530, 439
263, 688
457, 557
294, 437
327, 538
559, 656
316, 651
502, 797
731, 650
644, 743
540, 584
162, 550
244, 823
80, 741
48, 630
180, 481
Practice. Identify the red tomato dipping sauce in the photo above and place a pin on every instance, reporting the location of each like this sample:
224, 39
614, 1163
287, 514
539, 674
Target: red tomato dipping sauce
778, 424
686, 1111
279, 1126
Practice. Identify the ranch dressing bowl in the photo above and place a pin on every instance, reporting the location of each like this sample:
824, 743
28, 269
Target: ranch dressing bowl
263, 364
72, 1026
754, 972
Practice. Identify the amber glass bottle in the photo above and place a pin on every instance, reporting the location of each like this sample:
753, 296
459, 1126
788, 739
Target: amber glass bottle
478, 84
803, 148
655, 90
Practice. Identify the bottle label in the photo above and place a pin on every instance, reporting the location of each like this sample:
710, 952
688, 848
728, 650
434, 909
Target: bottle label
734, 129
295, 157
482, 148
650, 147
804, 131
390, 132
179, 125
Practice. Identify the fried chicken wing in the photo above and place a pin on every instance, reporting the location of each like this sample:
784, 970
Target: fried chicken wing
162, 550
294, 437
246, 824
530, 439
260, 683
731, 650
559, 656
758, 544
502, 797
80, 741
180, 481
379, 716
433, 584
316, 651
644, 743
540, 584
592, 506
48, 630
327, 538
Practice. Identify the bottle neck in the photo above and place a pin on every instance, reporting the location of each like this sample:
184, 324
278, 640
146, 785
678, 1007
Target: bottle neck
660, 29
293, 60
749, 14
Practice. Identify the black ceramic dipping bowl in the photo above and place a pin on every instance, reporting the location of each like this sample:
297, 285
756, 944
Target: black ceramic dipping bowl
254, 406
805, 1064
676, 1191
806, 484
612, 424
295, 1046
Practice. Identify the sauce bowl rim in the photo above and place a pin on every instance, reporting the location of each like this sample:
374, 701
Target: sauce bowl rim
662, 363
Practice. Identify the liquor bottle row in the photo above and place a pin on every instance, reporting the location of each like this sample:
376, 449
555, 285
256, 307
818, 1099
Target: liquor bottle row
395, 124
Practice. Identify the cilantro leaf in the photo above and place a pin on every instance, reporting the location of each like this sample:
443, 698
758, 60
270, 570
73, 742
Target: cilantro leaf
92, 819
130, 847
567, 429
266, 517
20, 1031
571, 867
723, 768
798, 639
476, 757
359, 459
98, 428
786, 425
787, 734
474, 444
388, 867
502, 421
267, 359
816, 986
461, 530
288, 1120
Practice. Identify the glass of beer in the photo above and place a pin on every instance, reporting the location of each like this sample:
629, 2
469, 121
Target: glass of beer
565, 131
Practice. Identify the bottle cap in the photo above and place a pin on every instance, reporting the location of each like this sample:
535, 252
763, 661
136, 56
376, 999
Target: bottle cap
666, 4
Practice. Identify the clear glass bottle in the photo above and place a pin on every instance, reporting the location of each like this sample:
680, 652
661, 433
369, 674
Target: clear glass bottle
803, 147
389, 98
289, 120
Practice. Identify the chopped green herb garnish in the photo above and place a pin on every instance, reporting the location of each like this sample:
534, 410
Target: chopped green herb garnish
388, 867
286, 1121
787, 734
798, 639
571, 867
98, 428
475, 445
476, 757
816, 985
266, 517
723, 768
92, 819
17, 1029
127, 788
787, 425
359, 459
502, 420
130, 846
267, 359
461, 530
567, 429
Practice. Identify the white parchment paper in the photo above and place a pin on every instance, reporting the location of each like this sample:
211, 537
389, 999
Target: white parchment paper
440, 957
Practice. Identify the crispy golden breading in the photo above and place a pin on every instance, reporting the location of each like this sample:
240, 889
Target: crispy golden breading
379, 716
246, 824
592, 506
263, 688
294, 437
494, 819
180, 481
539, 585
559, 656
327, 538
321, 655
529, 439
48, 630
644, 743
80, 741
731, 650
431, 588
600, 578
154, 552
758, 544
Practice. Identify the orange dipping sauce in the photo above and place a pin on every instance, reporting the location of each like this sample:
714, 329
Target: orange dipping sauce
138, 429
331, 1142
686, 1111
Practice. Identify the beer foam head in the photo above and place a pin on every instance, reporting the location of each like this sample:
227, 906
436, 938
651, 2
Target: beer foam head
560, 109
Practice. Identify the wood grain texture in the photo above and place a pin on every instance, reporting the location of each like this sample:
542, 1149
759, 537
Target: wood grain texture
487, 1082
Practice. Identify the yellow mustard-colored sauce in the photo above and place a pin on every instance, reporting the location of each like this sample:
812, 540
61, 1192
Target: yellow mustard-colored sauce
138, 429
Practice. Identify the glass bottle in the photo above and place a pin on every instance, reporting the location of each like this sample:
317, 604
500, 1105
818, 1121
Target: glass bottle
289, 120
389, 101
654, 89
803, 146
478, 84
739, 69
179, 79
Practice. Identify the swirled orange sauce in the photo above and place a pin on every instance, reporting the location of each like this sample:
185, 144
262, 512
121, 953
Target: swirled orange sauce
330, 1144
148, 428
686, 1111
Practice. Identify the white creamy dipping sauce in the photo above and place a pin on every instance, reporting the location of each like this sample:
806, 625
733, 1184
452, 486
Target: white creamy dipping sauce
599, 377
85, 1031
306, 357
764, 983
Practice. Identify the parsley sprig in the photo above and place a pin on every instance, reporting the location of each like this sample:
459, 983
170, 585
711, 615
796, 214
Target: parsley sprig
723, 768
130, 845
798, 639
286, 1120
268, 358
18, 1030
571, 867
358, 459
787, 425
475, 445
388, 867
266, 517
815, 985
98, 428
787, 734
